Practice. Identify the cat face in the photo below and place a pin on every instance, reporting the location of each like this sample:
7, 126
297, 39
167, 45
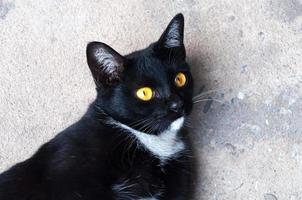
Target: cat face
147, 89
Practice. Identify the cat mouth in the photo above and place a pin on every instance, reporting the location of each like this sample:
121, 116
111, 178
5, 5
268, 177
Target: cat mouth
158, 124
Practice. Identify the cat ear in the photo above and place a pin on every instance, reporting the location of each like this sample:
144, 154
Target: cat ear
106, 65
173, 35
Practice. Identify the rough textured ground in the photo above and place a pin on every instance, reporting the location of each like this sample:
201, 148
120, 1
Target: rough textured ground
248, 138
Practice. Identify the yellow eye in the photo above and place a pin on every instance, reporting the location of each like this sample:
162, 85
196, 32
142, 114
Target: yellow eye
180, 79
145, 93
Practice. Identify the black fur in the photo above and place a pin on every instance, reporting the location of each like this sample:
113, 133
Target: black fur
88, 160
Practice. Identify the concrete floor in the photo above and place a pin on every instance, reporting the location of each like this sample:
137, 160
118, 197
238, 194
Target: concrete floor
248, 138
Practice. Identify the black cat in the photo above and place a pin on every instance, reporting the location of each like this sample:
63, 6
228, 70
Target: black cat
130, 144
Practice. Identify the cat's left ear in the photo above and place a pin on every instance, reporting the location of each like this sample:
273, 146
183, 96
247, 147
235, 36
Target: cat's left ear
106, 65
173, 36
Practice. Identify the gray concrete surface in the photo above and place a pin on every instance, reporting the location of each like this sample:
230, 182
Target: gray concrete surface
248, 138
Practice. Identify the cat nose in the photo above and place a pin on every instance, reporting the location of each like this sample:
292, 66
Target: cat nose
175, 104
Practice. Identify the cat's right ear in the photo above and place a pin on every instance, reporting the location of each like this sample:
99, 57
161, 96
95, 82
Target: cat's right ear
173, 36
171, 44
106, 65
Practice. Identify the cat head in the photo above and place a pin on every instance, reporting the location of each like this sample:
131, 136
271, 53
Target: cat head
147, 89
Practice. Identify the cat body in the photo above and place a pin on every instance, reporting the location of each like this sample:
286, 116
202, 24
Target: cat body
124, 147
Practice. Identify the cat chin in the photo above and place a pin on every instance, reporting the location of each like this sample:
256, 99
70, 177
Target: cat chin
165, 145
177, 124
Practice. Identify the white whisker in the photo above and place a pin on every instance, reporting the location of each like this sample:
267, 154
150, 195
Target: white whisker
208, 92
216, 100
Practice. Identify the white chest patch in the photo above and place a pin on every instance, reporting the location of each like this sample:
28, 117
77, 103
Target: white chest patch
164, 145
